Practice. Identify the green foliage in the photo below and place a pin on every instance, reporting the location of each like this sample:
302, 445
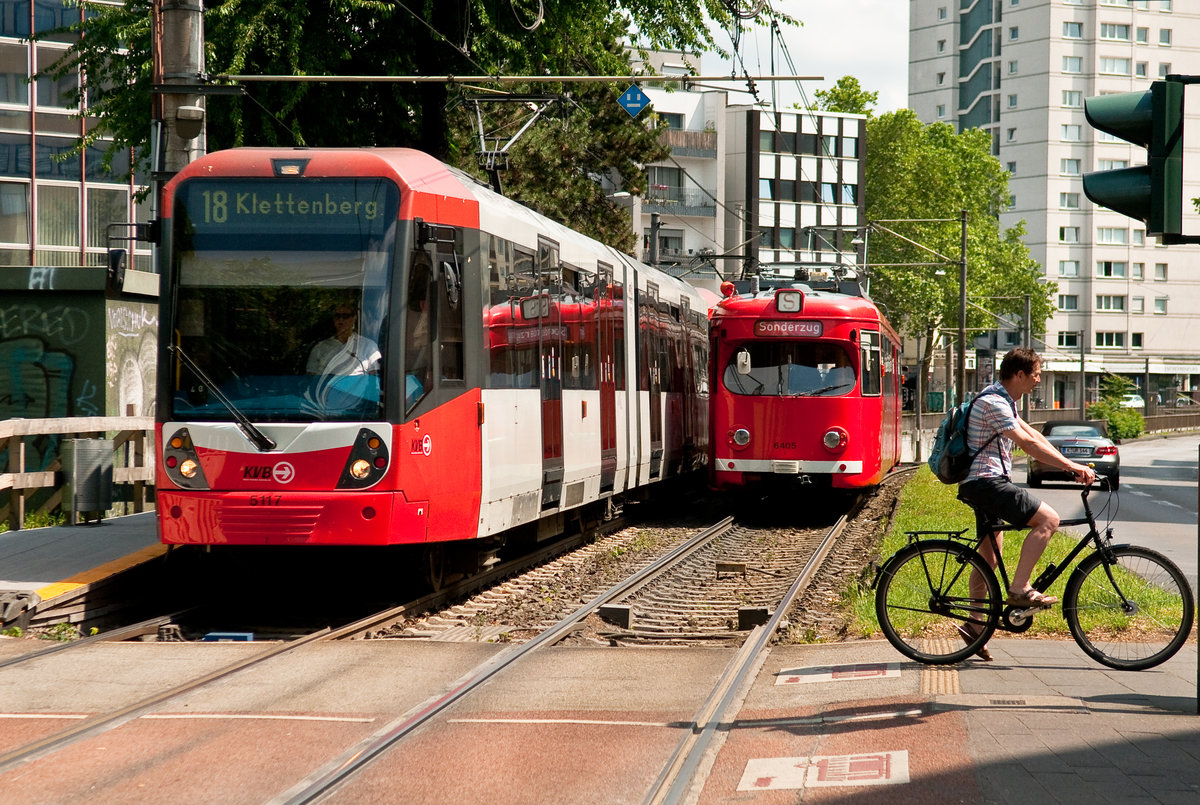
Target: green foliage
45, 519
12, 631
848, 96
917, 171
61, 632
1123, 423
553, 170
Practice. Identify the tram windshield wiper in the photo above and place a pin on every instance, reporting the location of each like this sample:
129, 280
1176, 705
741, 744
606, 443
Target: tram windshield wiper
261, 441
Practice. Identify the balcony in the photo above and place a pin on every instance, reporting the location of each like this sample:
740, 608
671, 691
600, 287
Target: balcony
685, 143
677, 201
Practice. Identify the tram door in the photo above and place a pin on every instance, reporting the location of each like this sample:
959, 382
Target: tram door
551, 339
607, 322
651, 374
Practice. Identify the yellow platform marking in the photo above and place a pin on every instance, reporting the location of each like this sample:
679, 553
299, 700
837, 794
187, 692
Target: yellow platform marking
105, 570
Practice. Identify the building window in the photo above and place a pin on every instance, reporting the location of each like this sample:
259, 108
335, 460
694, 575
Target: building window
1165, 5
1164, 37
1068, 201
1114, 66
1014, 32
1068, 268
1072, 64
1068, 234
1139, 237
1135, 340
941, 13
1068, 339
1011, 167
1109, 30
1137, 270
1012, 135
941, 110
1114, 304
1071, 30
941, 46
672, 120
1142, 35
1012, 101
941, 79
766, 237
1068, 301
1160, 305
787, 238
1164, 69
1068, 167
1137, 304
1109, 340
1111, 164
1111, 234
828, 192
1071, 132
849, 194
1012, 68
1141, 69
766, 189
1110, 269
1160, 272
1072, 99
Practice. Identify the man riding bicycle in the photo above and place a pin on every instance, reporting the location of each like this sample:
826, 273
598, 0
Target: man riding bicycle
992, 429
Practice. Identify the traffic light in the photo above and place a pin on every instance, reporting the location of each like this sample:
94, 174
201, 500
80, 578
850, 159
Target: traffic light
1153, 119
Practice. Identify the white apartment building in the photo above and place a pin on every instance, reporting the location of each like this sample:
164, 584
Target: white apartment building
749, 188
1021, 69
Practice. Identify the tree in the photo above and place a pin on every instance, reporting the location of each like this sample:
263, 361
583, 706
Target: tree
1123, 423
847, 95
428, 37
916, 171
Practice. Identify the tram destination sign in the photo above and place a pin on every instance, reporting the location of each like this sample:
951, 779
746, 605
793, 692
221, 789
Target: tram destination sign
213, 206
783, 328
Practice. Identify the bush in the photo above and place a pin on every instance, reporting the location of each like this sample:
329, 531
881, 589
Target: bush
1123, 423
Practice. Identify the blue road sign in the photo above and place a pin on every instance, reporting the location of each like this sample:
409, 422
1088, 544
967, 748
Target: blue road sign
634, 100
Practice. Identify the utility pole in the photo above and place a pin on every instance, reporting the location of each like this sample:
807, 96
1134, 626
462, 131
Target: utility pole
962, 314
179, 61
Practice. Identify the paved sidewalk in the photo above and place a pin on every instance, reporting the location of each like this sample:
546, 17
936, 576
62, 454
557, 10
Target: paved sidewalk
1042, 723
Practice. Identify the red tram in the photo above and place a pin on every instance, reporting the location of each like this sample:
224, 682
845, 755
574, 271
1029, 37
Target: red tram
805, 387
368, 347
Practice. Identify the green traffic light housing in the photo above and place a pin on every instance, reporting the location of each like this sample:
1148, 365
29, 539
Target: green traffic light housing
1153, 119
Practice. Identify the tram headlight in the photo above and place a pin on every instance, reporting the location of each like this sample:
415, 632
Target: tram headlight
360, 469
188, 468
835, 439
741, 437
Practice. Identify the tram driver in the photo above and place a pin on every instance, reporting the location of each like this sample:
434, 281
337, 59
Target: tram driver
346, 352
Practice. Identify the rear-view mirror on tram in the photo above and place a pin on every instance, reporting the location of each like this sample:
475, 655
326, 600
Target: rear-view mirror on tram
743, 362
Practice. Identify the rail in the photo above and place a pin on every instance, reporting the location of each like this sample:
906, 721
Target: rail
34, 463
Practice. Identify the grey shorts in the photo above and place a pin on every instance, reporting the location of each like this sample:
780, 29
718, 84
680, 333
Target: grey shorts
998, 499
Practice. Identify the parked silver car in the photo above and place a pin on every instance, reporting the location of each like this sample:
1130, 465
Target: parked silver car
1083, 442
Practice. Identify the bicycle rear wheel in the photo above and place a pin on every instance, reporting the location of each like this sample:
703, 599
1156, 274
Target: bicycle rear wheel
922, 597
1131, 614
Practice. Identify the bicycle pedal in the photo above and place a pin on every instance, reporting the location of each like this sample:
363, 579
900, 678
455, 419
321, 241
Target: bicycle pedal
1025, 612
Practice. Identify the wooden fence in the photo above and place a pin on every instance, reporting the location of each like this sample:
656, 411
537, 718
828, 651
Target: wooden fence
132, 460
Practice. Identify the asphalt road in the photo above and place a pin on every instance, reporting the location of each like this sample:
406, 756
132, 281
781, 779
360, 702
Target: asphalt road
1156, 504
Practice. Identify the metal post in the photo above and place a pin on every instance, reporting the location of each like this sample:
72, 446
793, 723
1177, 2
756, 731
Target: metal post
920, 401
1028, 345
655, 223
962, 315
1082, 379
182, 60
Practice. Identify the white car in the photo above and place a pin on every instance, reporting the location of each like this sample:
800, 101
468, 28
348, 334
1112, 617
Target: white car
1133, 401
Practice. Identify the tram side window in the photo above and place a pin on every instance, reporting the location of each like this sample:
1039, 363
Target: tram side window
617, 312
579, 319
418, 349
871, 363
450, 318
789, 369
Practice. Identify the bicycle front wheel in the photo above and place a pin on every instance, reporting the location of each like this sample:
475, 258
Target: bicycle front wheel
922, 598
1132, 612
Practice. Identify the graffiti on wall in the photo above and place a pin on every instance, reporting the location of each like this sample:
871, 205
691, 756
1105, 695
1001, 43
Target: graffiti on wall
130, 353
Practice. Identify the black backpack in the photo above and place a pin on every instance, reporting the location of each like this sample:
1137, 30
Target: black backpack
950, 458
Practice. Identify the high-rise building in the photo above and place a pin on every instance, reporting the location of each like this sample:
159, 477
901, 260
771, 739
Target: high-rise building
1021, 69
55, 207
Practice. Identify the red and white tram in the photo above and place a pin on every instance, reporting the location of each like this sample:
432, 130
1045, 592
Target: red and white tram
478, 367
805, 387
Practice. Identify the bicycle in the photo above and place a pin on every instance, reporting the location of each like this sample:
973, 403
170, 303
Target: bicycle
1127, 607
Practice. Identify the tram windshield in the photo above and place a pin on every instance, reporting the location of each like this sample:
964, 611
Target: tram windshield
280, 296
789, 369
